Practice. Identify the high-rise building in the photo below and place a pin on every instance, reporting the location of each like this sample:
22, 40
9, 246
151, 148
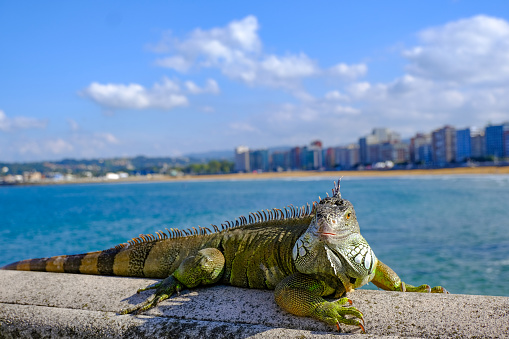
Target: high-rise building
385, 152
242, 159
329, 156
416, 148
259, 160
506, 140
352, 156
280, 161
370, 146
495, 140
367, 152
400, 152
425, 154
443, 145
395, 151
477, 143
347, 157
295, 158
463, 145
315, 159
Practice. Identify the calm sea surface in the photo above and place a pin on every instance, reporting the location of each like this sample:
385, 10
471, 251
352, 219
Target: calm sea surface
448, 230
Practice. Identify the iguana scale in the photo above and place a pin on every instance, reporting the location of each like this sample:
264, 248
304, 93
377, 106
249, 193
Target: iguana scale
303, 254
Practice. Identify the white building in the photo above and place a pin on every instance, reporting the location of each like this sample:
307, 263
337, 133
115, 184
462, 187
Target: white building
242, 159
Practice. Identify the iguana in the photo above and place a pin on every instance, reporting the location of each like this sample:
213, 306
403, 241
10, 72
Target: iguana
304, 254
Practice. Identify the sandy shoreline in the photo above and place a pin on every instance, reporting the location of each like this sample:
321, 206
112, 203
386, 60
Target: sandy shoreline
491, 170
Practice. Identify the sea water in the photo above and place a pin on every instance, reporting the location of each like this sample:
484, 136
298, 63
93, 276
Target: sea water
440, 230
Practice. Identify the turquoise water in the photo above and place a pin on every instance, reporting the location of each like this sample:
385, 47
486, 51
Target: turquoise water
448, 230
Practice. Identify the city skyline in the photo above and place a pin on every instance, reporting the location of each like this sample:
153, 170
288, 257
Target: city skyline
93, 80
383, 148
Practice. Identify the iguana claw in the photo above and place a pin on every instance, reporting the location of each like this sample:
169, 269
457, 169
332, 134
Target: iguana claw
335, 313
362, 326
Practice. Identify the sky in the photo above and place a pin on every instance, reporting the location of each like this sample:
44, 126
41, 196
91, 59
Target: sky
93, 79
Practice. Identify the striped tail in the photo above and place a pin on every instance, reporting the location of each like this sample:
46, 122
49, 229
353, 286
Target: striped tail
100, 262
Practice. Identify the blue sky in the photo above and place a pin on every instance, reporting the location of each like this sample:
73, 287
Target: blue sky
88, 79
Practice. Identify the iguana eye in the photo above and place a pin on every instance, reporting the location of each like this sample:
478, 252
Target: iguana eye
348, 215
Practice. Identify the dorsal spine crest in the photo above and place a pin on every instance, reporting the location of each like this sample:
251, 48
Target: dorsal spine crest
287, 212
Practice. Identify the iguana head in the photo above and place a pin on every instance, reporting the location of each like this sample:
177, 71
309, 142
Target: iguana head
333, 245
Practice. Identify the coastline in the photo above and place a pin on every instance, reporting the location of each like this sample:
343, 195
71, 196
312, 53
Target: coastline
491, 170
463, 171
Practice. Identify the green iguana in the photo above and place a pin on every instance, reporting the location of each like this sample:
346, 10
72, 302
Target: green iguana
303, 254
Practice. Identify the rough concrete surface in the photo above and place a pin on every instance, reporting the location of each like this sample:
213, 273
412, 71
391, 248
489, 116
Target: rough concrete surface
47, 305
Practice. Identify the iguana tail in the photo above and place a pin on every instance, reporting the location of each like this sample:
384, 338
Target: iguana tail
100, 262
140, 257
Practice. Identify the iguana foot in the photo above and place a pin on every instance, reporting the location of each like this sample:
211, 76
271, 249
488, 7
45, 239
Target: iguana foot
164, 290
334, 313
385, 278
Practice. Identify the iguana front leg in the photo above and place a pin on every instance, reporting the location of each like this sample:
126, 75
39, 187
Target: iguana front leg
206, 267
301, 295
385, 278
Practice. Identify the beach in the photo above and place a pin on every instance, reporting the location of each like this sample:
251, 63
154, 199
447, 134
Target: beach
489, 170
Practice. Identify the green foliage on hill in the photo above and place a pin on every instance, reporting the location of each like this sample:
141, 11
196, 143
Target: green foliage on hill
133, 166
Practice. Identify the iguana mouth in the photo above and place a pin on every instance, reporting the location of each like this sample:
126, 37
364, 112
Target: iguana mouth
326, 235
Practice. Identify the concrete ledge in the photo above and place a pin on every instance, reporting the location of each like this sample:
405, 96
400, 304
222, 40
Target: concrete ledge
34, 304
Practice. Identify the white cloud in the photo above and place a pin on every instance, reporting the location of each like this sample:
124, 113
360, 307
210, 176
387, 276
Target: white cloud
237, 36
175, 62
348, 72
236, 50
467, 51
193, 88
458, 75
336, 95
210, 87
293, 66
359, 89
164, 95
211, 46
11, 124
340, 109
